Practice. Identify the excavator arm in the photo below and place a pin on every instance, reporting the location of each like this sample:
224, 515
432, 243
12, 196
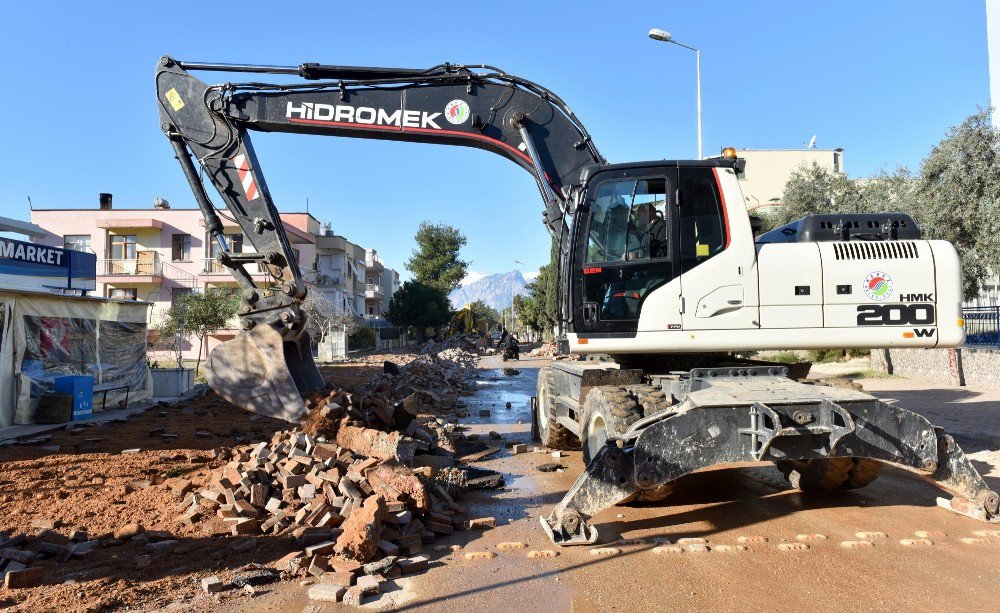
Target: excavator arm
269, 365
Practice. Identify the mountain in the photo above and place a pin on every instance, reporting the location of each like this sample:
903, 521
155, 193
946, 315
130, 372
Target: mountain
496, 290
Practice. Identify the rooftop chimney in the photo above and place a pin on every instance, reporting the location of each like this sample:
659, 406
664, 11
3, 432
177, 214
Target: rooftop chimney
105, 200
161, 204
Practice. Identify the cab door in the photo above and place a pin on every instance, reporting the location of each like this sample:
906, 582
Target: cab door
625, 249
717, 258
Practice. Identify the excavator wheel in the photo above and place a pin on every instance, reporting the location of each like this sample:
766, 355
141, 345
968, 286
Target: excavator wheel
651, 399
831, 474
864, 472
607, 411
553, 434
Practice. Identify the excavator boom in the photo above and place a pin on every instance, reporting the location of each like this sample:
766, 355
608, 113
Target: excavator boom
269, 364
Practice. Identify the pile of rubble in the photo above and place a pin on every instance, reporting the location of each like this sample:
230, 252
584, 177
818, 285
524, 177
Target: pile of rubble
19, 552
344, 485
545, 350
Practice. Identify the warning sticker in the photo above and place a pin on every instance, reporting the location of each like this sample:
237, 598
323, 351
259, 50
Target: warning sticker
174, 99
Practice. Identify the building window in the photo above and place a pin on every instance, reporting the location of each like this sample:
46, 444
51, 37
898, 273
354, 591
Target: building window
123, 293
371, 310
235, 242
176, 293
77, 242
181, 248
122, 246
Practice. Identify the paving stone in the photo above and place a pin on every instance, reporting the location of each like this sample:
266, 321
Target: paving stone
23, 578
211, 585
327, 592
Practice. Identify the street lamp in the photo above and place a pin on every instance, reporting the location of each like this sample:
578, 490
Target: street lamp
513, 313
665, 37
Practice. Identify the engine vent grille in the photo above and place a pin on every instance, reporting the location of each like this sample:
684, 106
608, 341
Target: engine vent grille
872, 250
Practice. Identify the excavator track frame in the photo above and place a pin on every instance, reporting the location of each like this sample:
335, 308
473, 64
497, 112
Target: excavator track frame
757, 414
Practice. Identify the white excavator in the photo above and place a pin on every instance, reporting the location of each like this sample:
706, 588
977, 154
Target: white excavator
664, 288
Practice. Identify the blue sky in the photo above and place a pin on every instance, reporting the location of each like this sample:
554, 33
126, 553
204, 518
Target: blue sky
883, 80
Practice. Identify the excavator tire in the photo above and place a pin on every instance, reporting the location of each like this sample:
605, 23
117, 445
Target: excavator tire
607, 411
825, 475
553, 434
652, 399
864, 472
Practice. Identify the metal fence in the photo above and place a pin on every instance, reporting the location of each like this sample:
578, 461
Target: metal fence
982, 326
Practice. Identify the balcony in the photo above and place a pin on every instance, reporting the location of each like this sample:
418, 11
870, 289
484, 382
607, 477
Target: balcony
373, 291
144, 268
212, 266
374, 263
329, 279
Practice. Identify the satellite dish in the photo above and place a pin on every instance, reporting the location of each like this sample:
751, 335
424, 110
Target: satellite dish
812, 142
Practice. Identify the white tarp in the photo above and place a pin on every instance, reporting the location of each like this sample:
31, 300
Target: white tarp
49, 336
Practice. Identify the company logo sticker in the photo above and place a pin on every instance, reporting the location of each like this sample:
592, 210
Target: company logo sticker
878, 286
457, 111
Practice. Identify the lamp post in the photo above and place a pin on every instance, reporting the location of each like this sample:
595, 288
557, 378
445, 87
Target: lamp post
663, 36
513, 313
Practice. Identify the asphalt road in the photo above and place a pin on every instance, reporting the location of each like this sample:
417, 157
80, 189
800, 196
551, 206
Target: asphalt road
787, 550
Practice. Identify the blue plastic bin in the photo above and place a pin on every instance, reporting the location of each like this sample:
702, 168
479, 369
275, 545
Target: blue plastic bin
82, 389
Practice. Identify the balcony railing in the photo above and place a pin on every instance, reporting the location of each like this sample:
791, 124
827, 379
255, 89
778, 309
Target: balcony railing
213, 266
326, 279
373, 261
145, 266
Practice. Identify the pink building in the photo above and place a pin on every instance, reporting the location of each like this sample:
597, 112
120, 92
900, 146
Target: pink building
158, 254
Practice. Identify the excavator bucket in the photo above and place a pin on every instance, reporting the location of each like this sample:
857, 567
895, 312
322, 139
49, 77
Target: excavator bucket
263, 372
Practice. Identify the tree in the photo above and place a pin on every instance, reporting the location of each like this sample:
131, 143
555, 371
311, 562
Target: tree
320, 314
435, 261
485, 313
955, 197
201, 314
419, 306
540, 308
959, 191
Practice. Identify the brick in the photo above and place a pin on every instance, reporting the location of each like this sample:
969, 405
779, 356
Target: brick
439, 528
211, 585
325, 592
273, 505
287, 561
318, 566
26, 577
369, 585
258, 494
482, 523
388, 548
343, 579
341, 565
24, 557
323, 548
416, 564
353, 596
293, 481
519, 449
44, 524
246, 526
409, 539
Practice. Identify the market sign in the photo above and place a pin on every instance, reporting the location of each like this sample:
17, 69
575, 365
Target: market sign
40, 267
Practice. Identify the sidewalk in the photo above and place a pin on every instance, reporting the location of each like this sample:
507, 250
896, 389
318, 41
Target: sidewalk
972, 416
11, 434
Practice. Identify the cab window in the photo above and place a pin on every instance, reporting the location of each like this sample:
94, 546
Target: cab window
703, 227
628, 221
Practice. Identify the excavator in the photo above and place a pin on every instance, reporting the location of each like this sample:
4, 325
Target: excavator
664, 288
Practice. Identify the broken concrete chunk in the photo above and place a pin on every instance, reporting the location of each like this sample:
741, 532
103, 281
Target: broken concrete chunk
211, 585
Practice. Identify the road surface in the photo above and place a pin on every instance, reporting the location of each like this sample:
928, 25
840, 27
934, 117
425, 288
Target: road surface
793, 556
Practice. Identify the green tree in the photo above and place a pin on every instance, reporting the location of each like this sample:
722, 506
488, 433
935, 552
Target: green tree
485, 313
435, 262
419, 306
540, 308
955, 197
959, 192
201, 314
